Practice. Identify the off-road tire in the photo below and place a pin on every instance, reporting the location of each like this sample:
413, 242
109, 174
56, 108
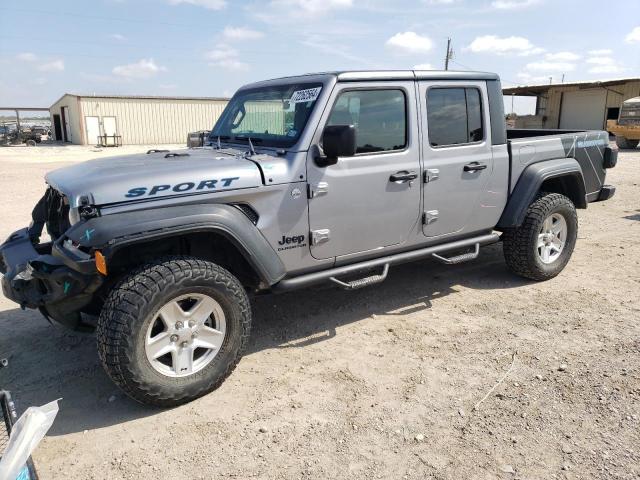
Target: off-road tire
30, 143
625, 143
520, 244
133, 303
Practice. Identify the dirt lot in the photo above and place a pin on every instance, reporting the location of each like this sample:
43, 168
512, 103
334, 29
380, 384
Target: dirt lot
378, 383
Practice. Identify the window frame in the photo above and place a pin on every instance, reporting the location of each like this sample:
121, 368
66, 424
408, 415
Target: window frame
482, 113
405, 94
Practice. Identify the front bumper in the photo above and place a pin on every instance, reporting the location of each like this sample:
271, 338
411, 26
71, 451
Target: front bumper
48, 277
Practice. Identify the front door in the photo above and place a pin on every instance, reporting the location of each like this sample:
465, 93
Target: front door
368, 201
458, 160
93, 130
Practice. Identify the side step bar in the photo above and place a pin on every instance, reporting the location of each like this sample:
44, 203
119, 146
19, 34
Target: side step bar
363, 282
308, 279
465, 257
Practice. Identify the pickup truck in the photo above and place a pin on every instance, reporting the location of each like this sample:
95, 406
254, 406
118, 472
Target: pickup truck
316, 179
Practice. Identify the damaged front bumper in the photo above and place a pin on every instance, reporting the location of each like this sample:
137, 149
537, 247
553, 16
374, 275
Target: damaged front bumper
49, 276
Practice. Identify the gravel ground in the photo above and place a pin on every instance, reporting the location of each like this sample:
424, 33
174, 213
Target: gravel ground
378, 383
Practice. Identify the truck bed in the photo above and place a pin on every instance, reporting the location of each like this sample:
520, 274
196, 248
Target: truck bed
528, 146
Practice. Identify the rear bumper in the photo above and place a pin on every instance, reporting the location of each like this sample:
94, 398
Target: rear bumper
48, 277
606, 192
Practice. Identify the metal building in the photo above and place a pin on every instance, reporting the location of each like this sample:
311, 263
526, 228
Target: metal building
146, 120
576, 105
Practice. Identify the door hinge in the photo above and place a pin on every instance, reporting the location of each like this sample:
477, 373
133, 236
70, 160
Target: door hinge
320, 236
429, 217
431, 174
321, 188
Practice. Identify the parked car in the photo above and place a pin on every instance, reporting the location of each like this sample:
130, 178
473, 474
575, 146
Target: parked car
328, 178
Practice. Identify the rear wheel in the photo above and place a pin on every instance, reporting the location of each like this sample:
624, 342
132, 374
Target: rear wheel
625, 143
172, 331
541, 247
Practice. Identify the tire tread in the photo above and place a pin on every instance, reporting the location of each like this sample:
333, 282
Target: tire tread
140, 288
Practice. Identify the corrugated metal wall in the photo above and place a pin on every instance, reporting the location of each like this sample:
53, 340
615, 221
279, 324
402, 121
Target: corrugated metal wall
153, 121
75, 127
264, 116
616, 94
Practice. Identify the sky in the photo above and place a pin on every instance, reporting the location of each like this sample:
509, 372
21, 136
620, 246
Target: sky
212, 47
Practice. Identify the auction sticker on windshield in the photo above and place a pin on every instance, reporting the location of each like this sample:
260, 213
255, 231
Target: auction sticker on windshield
308, 95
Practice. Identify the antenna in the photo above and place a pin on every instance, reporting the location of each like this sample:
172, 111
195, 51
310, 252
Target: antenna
449, 54
219, 146
252, 150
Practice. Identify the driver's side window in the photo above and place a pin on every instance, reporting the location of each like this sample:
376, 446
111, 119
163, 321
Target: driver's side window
379, 116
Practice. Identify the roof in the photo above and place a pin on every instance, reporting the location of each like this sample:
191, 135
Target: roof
380, 75
144, 97
534, 90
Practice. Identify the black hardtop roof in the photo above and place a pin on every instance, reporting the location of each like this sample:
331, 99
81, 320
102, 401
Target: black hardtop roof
380, 75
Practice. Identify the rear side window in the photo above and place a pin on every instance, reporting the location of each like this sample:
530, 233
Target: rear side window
379, 117
454, 116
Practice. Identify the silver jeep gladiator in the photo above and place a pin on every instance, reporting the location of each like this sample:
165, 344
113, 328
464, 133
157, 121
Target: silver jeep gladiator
331, 177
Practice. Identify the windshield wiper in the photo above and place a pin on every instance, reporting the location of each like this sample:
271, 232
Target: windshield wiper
252, 151
247, 138
218, 138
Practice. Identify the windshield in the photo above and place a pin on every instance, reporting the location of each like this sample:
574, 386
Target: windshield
272, 116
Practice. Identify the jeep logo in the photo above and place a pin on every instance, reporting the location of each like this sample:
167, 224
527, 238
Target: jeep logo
288, 243
288, 240
181, 187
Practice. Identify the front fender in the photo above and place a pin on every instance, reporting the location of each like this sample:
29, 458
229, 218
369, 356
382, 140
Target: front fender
109, 233
531, 181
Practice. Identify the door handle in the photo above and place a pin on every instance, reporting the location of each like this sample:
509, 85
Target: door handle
474, 166
403, 176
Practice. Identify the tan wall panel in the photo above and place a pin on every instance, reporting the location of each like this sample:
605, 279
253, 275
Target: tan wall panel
76, 121
553, 100
155, 121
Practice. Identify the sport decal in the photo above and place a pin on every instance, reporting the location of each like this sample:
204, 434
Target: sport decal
181, 187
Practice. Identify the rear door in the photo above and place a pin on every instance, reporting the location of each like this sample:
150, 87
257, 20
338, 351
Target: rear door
110, 129
458, 160
356, 204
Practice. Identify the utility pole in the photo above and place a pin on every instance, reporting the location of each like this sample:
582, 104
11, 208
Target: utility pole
449, 54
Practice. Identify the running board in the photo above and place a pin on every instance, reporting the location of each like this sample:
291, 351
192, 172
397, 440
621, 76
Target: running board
308, 279
363, 282
465, 257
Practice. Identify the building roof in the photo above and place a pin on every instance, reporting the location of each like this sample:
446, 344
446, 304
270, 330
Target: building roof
535, 90
143, 97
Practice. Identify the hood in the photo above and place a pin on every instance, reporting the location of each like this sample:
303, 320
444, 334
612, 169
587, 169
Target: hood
148, 176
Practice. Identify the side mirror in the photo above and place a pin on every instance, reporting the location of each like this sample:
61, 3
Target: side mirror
337, 141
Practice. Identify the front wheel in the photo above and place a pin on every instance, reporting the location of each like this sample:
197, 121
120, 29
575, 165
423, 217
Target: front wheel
541, 247
173, 330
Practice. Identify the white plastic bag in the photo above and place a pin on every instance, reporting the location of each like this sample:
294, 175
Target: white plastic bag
26, 434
